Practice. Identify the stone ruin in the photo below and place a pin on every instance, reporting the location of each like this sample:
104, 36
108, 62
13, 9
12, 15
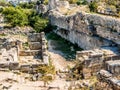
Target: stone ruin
13, 56
103, 63
90, 31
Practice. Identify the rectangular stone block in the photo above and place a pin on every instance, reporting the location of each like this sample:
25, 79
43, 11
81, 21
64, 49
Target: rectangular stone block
113, 67
34, 37
35, 45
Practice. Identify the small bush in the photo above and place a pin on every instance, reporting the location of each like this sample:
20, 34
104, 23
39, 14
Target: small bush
83, 2
93, 6
15, 16
27, 5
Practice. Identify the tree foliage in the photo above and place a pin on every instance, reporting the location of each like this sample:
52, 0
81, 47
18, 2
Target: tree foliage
27, 5
15, 16
93, 6
37, 22
40, 24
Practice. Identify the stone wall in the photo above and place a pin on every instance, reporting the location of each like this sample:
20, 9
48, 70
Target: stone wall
105, 76
87, 30
29, 52
97, 59
37, 45
113, 67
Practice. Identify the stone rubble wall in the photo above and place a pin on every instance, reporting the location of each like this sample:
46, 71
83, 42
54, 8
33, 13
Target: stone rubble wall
94, 60
29, 68
105, 76
45, 56
87, 30
113, 67
37, 44
9, 59
10, 65
29, 52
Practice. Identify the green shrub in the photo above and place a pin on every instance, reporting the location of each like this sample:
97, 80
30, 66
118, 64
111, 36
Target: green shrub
27, 5
40, 24
93, 6
15, 16
79, 2
73, 1
45, 2
37, 22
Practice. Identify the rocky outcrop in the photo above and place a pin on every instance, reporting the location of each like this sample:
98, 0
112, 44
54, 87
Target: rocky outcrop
53, 4
97, 59
87, 30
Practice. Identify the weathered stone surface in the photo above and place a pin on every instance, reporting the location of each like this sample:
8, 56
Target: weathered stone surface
62, 4
42, 9
95, 60
81, 29
105, 76
30, 53
34, 37
113, 67
105, 73
35, 45
52, 4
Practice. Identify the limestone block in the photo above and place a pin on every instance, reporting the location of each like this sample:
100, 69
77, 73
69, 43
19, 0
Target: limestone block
30, 53
4, 65
105, 74
42, 9
62, 4
14, 66
25, 68
46, 59
34, 37
113, 66
35, 45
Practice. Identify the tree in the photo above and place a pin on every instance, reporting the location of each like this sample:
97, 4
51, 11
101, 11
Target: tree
93, 6
27, 5
40, 24
15, 16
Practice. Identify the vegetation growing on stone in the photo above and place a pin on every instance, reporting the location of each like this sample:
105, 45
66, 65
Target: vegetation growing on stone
47, 72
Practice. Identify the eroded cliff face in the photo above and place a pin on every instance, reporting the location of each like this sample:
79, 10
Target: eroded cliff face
87, 30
